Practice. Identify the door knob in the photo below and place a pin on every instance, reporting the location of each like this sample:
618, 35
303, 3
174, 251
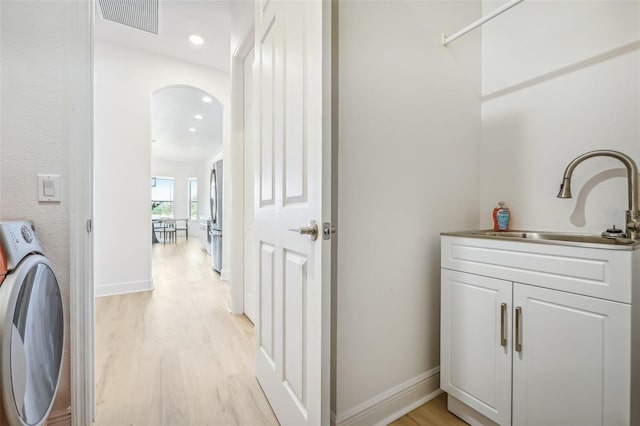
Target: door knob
311, 230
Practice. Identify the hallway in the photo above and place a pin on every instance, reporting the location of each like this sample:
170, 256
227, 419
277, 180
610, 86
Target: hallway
176, 356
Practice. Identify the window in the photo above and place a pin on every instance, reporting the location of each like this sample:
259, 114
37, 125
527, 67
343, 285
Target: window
162, 197
193, 198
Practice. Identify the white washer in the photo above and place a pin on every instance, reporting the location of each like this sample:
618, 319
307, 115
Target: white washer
31, 327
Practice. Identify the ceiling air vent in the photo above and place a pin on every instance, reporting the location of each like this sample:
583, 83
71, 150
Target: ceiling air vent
140, 14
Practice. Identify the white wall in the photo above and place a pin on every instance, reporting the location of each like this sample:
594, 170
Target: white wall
37, 90
559, 79
125, 78
409, 130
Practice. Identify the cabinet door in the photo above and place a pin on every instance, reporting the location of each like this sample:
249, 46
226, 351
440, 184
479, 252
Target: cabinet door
573, 367
475, 359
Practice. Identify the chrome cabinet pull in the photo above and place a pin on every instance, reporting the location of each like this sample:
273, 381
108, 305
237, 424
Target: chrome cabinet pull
503, 325
517, 326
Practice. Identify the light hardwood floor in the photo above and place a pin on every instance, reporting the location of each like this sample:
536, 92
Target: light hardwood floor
433, 413
176, 356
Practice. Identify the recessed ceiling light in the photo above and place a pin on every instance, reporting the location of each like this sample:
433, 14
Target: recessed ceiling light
192, 130
196, 39
207, 99
198, 117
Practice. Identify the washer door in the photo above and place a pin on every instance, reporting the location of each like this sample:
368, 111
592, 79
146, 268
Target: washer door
35, 342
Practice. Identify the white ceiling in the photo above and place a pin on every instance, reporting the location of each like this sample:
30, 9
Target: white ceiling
177, 20
173, 109
173, 112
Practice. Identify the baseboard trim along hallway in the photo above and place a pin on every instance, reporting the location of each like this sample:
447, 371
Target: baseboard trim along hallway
123, 288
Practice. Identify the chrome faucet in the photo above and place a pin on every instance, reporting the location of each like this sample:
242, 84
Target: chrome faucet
632, 230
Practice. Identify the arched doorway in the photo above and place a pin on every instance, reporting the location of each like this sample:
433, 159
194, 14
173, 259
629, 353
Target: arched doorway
186, 141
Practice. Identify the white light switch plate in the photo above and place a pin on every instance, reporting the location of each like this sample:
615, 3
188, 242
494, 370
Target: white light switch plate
49, 188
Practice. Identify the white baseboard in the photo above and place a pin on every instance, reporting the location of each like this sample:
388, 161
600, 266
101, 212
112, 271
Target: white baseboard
225, 275
123, 288
394, 403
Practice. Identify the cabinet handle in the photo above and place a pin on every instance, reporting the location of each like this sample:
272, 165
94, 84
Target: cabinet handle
518, 325
503, 324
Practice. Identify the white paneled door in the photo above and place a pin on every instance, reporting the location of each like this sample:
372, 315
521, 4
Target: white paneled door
293, 327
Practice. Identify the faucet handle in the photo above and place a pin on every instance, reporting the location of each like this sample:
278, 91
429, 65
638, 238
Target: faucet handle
633, 224
612, 232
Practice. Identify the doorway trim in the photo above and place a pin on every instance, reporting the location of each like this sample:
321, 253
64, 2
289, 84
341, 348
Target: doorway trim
81, 219
237, 166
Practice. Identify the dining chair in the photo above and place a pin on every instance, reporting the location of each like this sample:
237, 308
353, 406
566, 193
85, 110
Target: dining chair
169, 230
182, 225
157, 229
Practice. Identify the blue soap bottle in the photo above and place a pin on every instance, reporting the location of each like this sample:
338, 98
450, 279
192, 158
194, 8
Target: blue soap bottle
501, 217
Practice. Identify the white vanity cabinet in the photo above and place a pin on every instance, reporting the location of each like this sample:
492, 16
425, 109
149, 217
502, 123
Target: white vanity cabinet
521, 346
476, 344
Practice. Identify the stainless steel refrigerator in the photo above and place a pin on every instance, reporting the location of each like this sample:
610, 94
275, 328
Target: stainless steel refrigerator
216, 215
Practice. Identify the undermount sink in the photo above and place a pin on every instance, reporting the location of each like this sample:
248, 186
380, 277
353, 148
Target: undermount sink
564, 238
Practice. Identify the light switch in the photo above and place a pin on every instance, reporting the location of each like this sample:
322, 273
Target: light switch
49, 188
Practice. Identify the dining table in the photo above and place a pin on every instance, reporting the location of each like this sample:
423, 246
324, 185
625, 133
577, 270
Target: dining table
165, 225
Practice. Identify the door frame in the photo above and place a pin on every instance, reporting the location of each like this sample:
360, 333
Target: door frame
82, 297
81, 177
81, 204
330, 154
237, 166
